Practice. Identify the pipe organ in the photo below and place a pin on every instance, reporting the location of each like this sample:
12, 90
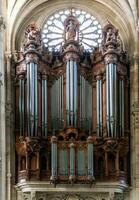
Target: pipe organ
70, 116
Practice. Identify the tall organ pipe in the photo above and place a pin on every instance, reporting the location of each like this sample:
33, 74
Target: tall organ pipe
68, 92
98, 99
100, 102
62, 101
121, 106
44, 105
111, 94
99, 107
54, 159
32, 99
71, 92
108, 99
75, 93
111, 99
115, 99
72, 162
21, 104
90, 159
28, 98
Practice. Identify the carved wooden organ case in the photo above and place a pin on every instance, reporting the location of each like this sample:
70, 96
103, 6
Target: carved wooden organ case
72, 120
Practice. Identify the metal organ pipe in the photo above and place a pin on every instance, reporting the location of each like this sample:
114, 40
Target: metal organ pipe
21, 104
72, 162
121, 106
90, 159
111, 94
54, 159
44, 105
107, 99
115, 99
32, 99
62, 101
71, 92
75, 92
32, 96
99, 107
57, 103
100, 102
68, 92
111, 99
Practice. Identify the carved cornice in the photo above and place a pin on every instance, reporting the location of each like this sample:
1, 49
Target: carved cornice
31, 58
71, 51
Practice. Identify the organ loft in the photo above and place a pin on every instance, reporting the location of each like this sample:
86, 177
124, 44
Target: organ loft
72, 114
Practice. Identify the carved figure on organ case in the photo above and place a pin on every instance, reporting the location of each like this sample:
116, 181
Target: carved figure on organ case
71, 28
110, 35
71, 31
32, 33
32, 39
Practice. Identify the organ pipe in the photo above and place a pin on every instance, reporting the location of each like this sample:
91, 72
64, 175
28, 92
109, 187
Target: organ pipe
57, 103
75, 93
121, 106
54, 158
44, 105
111, 98
85, 103
115, 99
32, 99
90, 160
68, 92
71, 93
72, 162
99, 106
21, 104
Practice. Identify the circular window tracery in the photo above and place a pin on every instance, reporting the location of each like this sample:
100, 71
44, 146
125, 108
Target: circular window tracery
90, 31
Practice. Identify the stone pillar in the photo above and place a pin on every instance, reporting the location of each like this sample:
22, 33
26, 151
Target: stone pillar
135, 127
2, 112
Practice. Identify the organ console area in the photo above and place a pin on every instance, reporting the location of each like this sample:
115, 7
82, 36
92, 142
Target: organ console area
71, 122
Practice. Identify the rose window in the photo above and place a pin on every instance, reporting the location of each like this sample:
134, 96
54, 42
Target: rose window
90, 31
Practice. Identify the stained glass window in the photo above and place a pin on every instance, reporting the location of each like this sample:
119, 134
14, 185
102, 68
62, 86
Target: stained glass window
90, 31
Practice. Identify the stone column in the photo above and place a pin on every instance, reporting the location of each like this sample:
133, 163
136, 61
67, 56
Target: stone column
135, 121
2, 112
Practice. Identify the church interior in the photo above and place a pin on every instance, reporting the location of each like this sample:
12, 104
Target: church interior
69, 100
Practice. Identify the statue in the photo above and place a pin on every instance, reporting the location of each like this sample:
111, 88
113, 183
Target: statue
71, 30
110, 35
33, 38
32, 33
71, 25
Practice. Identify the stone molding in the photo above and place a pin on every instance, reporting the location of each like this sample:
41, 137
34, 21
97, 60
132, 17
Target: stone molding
70, 196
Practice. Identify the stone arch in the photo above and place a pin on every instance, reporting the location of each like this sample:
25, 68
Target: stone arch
103, 11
